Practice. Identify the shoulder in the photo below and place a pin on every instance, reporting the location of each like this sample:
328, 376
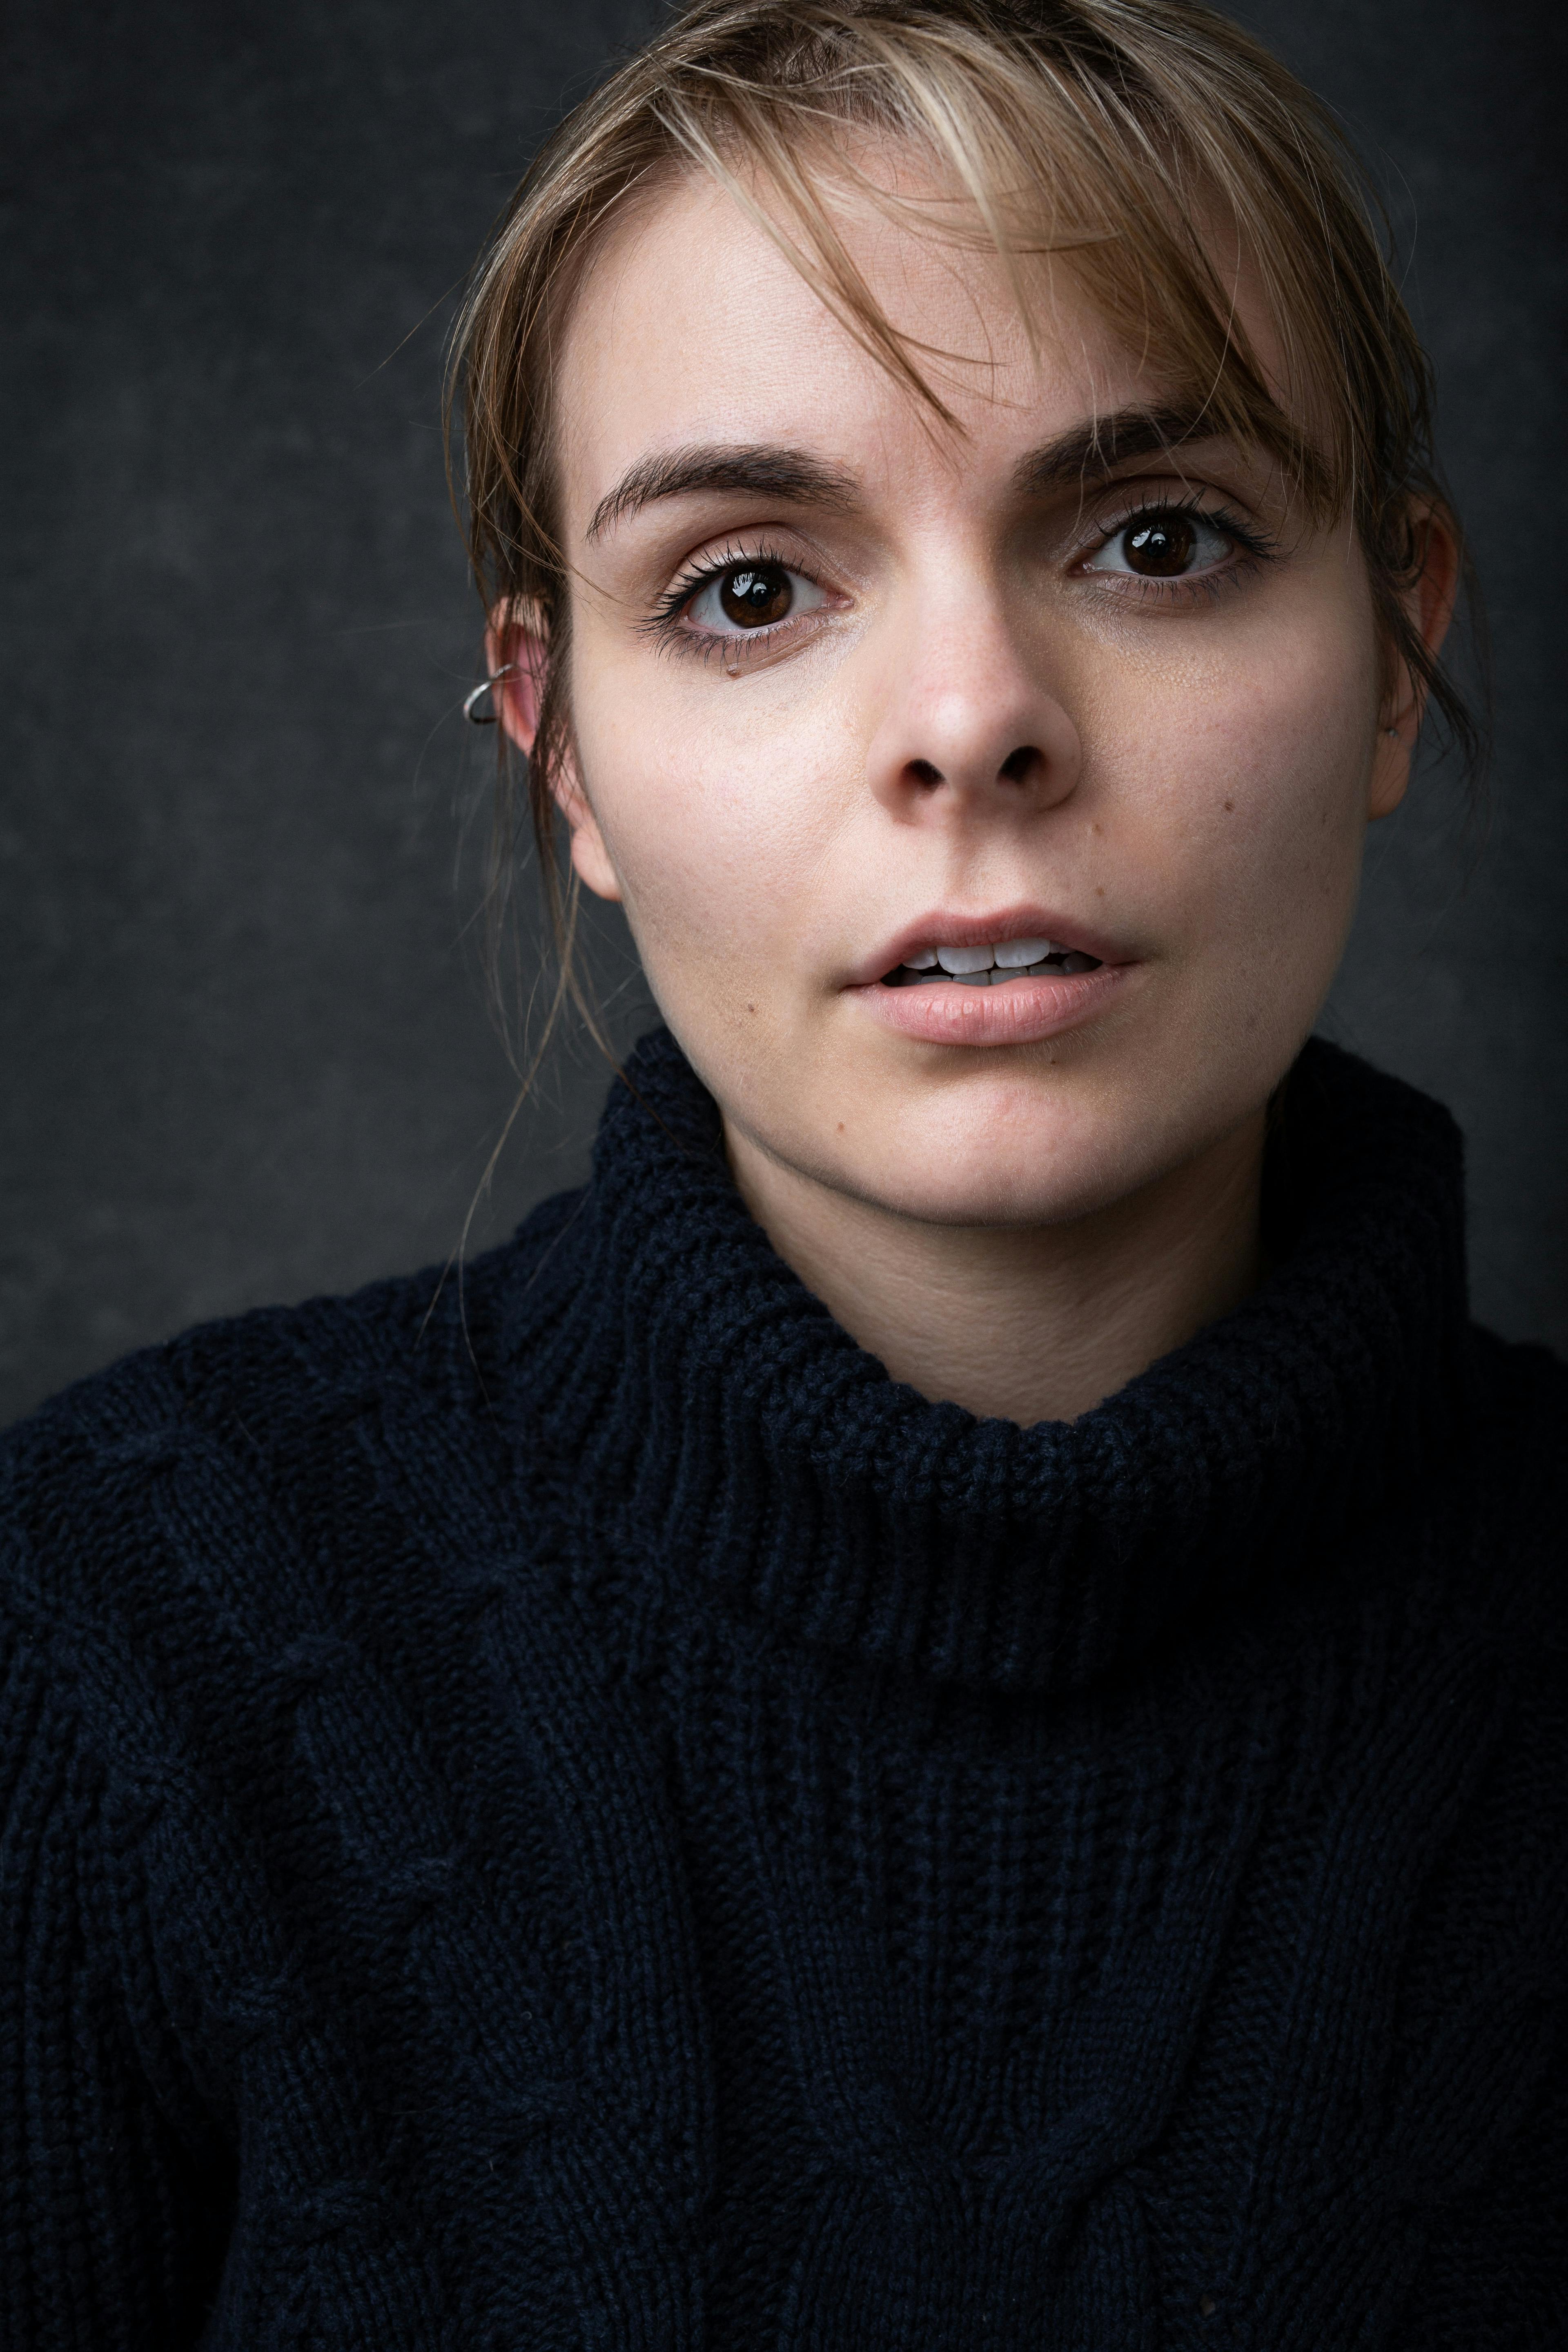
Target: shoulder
1519, 1405
1518, 1413
229, 1468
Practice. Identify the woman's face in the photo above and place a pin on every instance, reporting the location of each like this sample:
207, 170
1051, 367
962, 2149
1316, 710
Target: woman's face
857, 695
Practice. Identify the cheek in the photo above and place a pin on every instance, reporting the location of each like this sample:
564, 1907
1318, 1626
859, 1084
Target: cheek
714, 824
1256, 801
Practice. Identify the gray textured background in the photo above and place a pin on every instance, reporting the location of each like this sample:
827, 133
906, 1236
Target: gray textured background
244, 1049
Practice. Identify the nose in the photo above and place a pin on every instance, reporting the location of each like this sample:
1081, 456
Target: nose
969, 727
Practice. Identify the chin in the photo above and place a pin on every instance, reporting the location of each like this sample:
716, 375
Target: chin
996, 1177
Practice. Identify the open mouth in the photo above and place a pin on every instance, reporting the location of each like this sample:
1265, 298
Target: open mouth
990, 967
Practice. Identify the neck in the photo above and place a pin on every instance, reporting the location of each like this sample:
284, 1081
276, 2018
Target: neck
1027, 1323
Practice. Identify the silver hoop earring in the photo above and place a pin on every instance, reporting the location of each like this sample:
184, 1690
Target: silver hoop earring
471, 711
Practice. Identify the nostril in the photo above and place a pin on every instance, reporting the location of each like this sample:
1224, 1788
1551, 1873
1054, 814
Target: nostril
1022, 766
924, 773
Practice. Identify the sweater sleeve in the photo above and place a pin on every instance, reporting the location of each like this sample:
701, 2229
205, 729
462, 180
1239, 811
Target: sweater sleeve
113, 2194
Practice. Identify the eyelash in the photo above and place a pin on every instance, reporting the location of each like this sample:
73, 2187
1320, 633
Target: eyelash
664, 624
1256, 547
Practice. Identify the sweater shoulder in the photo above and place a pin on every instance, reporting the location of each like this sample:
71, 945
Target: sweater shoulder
1518, 1395
1520, 1400
284, 1430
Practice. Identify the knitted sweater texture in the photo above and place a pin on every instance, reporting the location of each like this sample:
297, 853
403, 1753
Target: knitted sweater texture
584, 1815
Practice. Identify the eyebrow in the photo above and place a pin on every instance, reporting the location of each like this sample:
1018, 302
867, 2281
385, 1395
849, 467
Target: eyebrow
770, 472
1091, 451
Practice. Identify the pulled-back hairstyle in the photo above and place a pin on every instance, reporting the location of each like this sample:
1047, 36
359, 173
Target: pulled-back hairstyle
1130, 137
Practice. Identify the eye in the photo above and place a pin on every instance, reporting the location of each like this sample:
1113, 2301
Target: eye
1162, 546
746, 596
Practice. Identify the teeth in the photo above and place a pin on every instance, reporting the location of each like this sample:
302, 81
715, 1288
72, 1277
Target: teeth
990, 967
1058, 964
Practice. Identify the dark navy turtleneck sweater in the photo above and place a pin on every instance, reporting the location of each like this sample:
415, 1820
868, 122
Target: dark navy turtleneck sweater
569, 1811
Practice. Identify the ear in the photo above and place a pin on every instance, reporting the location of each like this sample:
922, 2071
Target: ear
516, 648
1428, 603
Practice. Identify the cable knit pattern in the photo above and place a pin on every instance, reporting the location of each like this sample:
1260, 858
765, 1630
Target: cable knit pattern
569, 1811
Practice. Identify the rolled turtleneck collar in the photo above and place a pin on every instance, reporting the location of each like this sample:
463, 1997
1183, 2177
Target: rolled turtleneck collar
694, 1390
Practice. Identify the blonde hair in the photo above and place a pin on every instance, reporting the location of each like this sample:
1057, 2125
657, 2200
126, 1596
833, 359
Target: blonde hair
1116, 133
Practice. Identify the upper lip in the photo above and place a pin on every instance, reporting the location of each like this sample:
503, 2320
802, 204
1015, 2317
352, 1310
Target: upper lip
942, 930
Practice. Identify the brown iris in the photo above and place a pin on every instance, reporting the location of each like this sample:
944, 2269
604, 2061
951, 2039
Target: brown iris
755, 594
1160, 549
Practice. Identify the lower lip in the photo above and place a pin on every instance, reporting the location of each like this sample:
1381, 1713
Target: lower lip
1013, 1013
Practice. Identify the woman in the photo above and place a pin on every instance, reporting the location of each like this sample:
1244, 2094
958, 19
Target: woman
932, 1714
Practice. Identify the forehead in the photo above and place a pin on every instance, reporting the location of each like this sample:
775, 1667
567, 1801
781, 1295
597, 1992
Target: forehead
693, 327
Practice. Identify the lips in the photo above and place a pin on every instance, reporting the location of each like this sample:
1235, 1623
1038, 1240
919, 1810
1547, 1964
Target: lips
982, 951
948, 980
